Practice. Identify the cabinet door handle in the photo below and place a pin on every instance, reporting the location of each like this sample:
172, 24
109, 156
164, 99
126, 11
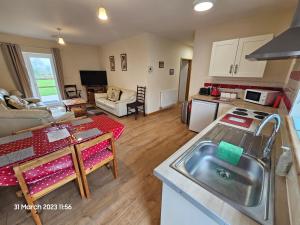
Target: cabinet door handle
236, 69
231, 68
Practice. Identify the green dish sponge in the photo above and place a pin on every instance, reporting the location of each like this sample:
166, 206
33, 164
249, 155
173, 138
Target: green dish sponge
229, 153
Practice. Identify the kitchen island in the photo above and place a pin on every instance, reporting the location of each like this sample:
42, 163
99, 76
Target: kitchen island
186, 202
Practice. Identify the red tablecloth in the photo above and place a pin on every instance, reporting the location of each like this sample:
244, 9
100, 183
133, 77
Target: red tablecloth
42, 146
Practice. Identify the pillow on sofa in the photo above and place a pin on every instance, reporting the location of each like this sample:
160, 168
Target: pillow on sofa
15, 102
109, 92
115, 95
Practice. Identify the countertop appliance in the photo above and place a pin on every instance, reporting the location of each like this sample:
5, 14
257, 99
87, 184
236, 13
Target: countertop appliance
262, 97
204, 91
258, 115
243, 118
215, 92
237, 120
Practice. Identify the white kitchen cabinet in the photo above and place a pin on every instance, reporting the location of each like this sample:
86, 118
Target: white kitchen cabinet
223, 108
228, 57
222, 57
244, 67
203, 113
176, 210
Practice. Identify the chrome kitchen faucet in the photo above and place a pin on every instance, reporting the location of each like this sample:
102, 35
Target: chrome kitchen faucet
270, 142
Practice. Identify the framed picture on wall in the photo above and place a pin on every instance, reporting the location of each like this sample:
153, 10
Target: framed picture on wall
161, 64
112, 63
171, 72
124, 62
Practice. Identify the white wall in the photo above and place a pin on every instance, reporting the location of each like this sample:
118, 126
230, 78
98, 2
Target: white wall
143, 51
171, 52
75, 57
276, 71
137, 58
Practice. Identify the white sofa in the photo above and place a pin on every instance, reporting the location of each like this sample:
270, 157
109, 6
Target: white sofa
12, 120
118, 108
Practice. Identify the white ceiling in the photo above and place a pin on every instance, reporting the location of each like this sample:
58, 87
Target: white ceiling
174, 19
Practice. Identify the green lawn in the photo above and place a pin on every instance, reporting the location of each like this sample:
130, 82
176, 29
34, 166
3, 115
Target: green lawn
47, 87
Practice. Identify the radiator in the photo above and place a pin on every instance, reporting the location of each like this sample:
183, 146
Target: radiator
168, 98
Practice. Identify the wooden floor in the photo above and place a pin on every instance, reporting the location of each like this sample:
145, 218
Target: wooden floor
133, 198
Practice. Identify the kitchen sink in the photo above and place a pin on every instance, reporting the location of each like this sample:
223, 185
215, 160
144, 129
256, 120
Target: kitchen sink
242, 184
248, 186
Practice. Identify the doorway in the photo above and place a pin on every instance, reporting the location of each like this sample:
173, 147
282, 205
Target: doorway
43, 79
184, 79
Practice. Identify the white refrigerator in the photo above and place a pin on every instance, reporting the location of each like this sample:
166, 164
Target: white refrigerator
203, 113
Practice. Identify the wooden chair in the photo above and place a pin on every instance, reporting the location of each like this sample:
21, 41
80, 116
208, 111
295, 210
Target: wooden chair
71, 91
100, 158
139, 104
36, 190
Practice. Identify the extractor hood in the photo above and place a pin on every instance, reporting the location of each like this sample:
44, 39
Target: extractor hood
284, 46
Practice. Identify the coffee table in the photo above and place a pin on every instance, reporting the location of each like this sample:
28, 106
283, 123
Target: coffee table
75, 102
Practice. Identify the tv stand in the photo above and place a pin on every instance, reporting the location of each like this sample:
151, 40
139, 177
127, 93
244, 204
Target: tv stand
91, 90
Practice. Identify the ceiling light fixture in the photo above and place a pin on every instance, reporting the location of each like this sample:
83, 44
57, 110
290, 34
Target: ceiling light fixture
102, 14
60, 39
203, 5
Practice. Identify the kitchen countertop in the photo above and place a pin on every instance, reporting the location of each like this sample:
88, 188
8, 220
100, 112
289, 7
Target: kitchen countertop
201, 198
236, 103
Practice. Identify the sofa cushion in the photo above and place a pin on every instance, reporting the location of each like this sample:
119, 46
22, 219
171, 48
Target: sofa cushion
115, 95
38, 105
2, 100
16, 102
127, 95
106, 102
32, 100
109, 92
2, 107
3, 92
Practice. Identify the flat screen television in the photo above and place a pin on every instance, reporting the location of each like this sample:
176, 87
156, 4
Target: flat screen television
93, 78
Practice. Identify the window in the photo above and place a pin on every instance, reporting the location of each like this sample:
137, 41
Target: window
42, 75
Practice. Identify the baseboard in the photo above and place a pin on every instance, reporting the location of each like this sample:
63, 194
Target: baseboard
160, 110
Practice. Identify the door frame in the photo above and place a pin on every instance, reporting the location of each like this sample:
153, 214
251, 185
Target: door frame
26, 56
188, 79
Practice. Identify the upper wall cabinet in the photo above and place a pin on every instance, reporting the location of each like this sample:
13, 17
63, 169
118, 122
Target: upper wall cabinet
222, 57
228, 57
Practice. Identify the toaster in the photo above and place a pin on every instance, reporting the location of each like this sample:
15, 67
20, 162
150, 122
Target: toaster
204, 91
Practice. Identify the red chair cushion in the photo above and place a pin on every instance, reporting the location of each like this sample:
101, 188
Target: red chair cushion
97, 157
53, 178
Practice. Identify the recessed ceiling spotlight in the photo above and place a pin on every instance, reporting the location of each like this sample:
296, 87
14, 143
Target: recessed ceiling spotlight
102, 15
203, 5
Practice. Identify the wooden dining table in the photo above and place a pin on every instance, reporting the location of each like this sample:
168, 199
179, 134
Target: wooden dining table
37, 143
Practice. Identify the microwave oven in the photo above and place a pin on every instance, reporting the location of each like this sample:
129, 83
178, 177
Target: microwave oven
262, 97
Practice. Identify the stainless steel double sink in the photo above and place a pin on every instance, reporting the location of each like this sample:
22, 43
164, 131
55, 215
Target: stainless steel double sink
247, 186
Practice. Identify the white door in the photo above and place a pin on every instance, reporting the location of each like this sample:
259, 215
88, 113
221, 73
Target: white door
203, 113
244, 67
223, 57
43, 78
